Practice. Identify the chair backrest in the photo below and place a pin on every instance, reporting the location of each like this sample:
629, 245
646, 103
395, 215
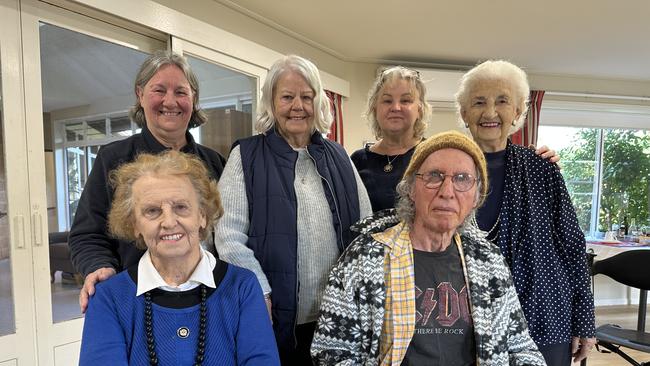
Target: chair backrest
631, 268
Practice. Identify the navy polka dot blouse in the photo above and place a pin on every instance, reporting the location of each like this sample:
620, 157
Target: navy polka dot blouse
540, 238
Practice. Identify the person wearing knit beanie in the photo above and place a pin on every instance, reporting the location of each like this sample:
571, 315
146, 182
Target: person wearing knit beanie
453, 140
434, 291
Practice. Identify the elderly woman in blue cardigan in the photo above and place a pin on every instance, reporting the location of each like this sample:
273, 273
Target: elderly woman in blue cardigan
178, 305
528, 213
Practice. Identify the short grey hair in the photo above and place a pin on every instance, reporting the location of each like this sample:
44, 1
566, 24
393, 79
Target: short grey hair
405, 206
387, 76
496, 70
149, 68
305, 68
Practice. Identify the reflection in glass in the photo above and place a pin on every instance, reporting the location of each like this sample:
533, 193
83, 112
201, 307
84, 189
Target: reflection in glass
121, 127
227, 97
87, 86
96, 129
74, 131
7, 317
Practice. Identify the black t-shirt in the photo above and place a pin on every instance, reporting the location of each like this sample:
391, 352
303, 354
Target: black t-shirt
443, 322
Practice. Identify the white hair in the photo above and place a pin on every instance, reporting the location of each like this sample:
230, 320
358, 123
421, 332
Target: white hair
496, 70
305, 68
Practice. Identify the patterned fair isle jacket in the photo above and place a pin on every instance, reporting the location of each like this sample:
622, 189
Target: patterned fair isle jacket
353, 330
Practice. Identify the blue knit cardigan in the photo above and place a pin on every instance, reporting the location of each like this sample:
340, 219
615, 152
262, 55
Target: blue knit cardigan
238, 326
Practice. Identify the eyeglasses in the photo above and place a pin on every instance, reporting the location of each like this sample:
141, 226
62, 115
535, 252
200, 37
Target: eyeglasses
462, 182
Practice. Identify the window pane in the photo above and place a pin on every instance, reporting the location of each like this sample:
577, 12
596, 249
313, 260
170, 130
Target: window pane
626, 172
81, 76
76, 177
74, 131
96, 129
8, 318
577, 148
221, 92
625, 175
121, 127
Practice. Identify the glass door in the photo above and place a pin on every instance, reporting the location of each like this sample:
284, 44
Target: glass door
79, 86
229, 94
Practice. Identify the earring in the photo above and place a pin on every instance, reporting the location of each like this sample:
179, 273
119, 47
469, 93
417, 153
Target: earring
514, 123
466, 125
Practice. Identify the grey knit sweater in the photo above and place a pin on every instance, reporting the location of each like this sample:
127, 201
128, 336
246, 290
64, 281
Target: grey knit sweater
317, 248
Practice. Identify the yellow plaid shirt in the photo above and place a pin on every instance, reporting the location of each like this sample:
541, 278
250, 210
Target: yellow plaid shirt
399, 317
399, 275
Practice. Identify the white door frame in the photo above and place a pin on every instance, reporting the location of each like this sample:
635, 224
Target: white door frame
57, 344
17, 348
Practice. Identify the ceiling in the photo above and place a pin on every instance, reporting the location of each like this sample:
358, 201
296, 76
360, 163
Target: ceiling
596, 38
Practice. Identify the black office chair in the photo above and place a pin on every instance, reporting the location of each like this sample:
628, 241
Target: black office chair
631, 268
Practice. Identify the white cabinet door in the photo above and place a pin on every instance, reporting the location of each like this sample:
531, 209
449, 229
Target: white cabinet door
17, 328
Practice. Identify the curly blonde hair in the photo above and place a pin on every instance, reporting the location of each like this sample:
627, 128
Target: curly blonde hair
121, 218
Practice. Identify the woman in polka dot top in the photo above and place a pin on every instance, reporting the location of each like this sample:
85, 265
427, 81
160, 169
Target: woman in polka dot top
528, 213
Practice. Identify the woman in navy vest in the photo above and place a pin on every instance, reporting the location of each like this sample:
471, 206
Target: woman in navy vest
290, 197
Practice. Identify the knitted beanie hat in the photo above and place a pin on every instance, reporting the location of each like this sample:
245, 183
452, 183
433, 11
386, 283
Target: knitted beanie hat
453, 140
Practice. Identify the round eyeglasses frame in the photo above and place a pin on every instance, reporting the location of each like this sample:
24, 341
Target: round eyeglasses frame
462, 182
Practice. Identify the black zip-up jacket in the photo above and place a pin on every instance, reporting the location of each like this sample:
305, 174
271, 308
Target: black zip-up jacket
91, 247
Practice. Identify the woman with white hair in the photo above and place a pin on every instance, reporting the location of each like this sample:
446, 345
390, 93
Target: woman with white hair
528, 213
290, 197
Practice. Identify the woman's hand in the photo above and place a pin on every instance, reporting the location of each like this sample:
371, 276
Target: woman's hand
580, 347
546, 153
269, 305
88, 289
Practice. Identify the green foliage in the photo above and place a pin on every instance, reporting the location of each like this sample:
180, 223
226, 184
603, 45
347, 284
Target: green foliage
626, 175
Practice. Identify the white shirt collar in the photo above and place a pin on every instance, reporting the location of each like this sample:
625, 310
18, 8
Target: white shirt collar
149, 278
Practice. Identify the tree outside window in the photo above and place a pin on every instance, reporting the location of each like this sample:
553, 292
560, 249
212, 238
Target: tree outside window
624, 188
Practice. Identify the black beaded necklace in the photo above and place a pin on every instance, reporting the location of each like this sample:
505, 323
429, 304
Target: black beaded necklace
148, 327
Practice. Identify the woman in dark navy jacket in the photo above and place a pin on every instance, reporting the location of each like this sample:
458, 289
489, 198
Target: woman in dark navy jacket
290, 197
528, 213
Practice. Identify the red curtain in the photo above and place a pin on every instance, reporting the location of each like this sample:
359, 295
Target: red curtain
527, 135
336, 130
